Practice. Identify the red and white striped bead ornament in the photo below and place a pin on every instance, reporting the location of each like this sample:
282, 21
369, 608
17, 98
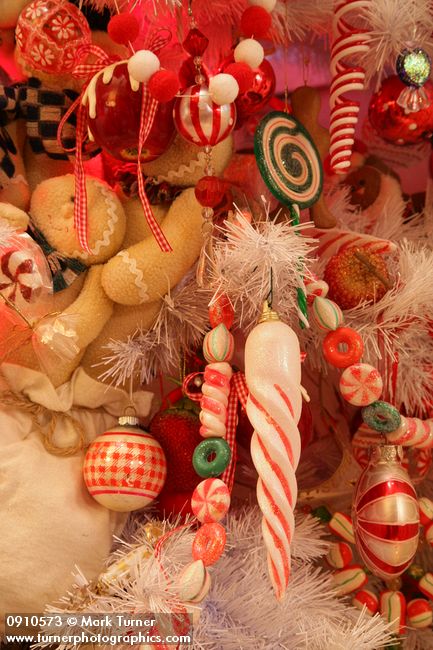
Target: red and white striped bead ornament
368, 599
419, 613
125, 467
199, 120
385, 514
393, 610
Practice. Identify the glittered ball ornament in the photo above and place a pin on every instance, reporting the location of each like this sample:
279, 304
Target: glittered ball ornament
114, 104
395, 124
125, 467
48, 35
385, 514
413, 66
199, 120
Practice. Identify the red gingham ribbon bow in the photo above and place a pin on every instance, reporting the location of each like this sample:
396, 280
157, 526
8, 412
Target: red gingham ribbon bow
147, 117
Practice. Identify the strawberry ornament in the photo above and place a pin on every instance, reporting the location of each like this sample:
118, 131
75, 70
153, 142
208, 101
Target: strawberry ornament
177, 430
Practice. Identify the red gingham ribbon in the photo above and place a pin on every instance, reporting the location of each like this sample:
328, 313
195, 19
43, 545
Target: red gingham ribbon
86, 70
238, 392
147, 117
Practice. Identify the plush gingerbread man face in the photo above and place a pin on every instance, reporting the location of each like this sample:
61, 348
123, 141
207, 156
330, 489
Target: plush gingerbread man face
52, 212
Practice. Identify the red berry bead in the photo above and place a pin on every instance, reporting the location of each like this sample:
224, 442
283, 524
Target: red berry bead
338, 356
163, 85
243, 74
123, 28
210, 191
255, 22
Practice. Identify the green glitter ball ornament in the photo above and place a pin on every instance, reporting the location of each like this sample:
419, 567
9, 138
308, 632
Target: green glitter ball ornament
413, 67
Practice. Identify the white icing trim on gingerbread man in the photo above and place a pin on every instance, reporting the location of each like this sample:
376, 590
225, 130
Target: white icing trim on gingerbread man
137, 273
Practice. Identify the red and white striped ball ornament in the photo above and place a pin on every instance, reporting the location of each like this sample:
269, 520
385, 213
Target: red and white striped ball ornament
385, 514
199, 120
125, 467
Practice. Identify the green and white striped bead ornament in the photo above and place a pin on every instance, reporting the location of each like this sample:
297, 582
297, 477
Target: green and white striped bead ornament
327, 314
218, 344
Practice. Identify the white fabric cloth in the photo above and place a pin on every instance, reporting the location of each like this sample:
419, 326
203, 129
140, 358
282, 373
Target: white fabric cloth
49, 523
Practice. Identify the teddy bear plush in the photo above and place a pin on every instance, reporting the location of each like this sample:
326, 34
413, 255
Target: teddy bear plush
123, 280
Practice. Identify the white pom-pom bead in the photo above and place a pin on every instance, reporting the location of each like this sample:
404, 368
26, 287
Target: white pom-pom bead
142, 65
223, 89
249, 51
269, 5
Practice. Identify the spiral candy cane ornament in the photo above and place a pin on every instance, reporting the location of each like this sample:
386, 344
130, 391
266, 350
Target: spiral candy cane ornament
347, 42
215, 389
273, 376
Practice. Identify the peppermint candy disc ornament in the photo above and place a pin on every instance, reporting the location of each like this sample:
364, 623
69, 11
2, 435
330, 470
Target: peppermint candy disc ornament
210, 500
199, 120
288, 160
361, 384
385, 514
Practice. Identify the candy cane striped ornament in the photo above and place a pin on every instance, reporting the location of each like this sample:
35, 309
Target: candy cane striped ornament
199, 120
386, 514
215, 389
348, 42
20, 280
273, 376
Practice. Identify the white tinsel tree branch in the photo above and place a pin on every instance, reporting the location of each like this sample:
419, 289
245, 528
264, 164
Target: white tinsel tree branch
178, 329
252, 259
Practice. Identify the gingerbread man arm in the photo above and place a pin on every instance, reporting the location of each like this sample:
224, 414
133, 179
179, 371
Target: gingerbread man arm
91, 309
143, 273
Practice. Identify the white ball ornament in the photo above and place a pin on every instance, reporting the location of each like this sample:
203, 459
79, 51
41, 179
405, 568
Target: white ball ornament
223, 89
269, 5
249, 51
142, 65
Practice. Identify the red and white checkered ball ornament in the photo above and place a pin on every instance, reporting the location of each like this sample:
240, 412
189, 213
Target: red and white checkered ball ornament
385, 514
48, 34
125, 467
199, 120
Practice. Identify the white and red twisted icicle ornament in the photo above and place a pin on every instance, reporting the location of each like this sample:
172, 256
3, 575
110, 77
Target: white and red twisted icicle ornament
348, 42
273, 376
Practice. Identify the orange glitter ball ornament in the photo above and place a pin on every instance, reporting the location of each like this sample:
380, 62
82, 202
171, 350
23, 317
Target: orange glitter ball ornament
356, 275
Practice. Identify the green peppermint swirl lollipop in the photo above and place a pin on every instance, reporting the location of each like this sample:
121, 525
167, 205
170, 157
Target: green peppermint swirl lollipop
288, 160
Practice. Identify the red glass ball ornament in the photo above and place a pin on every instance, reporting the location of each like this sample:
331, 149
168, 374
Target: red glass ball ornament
125, 468
210, 191
195, 42
199, 120
385, 514
48, 34
115, 122
123, 28
255, 22
163, 85
390, 120
243, 74
259, 93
